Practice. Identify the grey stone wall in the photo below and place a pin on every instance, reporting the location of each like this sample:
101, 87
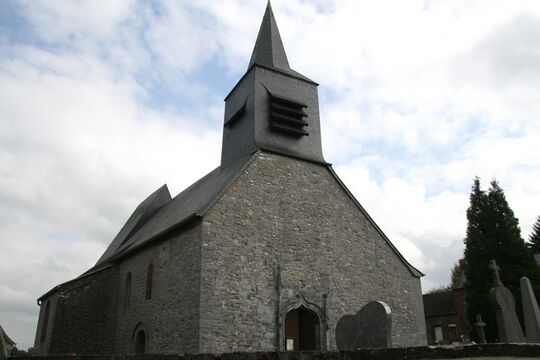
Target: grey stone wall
42, 347
293, 214
170, 316
82, 316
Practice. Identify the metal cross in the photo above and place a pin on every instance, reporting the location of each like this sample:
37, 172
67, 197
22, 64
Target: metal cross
479, 325
493, 266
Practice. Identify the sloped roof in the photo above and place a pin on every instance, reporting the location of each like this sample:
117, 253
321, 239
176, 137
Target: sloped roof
439, 304
159, 214
269, 48
142, 213
268, 51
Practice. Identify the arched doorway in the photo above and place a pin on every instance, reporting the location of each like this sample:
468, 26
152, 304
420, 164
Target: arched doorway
140, 342
302, 330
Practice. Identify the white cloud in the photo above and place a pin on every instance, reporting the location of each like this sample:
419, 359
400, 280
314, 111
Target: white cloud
103, 102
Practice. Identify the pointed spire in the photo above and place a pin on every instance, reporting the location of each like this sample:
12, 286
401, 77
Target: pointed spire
269, 49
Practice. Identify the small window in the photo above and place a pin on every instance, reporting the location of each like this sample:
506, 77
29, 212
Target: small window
149, 278
127, 291
45, 321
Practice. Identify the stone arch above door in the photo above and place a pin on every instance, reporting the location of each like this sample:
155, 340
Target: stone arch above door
300, 301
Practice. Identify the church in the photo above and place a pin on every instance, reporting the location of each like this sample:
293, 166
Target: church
268, 252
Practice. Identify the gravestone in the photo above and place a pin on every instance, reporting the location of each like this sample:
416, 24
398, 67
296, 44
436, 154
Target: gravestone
479, 325
371, 327
531, 313
504, 303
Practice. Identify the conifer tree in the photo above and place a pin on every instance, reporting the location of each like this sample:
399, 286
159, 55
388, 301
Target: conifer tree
493, 233
534, 238
477, 255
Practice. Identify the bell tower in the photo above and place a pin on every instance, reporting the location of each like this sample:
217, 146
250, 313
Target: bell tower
272, 107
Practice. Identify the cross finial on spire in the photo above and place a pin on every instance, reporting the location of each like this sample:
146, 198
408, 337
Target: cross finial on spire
269, 48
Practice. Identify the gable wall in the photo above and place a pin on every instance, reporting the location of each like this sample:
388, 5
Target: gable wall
82, 316
42, 347
170, 316
293, 213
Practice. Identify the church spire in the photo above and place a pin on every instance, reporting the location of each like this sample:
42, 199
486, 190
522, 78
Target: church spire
273, 107
268, 48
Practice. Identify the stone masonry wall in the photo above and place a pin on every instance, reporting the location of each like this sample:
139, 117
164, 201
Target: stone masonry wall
170, 317
292, 213
82, 319
42, 347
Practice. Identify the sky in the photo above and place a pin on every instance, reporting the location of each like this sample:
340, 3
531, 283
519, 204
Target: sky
102, 102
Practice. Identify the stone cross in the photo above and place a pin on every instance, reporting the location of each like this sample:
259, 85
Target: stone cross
493, 266
479, 325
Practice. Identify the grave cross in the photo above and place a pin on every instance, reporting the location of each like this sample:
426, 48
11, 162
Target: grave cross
479, 325
493, 266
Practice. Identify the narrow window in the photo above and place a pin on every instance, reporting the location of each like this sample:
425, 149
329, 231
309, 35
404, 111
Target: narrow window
127, 298
149, 276
45, 321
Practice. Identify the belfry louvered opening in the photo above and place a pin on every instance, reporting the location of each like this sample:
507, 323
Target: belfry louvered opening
288, 116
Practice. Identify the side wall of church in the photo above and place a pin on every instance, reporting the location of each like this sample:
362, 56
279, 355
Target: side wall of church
81, 317
42, 342
169, 317
293, 214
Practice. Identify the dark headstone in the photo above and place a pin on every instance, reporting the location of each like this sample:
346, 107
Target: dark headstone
531, 313
507, 321
371, 327
504, 303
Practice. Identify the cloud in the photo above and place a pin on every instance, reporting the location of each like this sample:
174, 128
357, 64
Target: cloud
103, 102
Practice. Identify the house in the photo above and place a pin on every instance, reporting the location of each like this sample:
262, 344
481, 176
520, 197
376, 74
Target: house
446, 313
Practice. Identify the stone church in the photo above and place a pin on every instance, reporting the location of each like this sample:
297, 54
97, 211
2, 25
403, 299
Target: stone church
267, 252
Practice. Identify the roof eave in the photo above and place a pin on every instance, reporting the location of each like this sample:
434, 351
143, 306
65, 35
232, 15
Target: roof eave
414, 271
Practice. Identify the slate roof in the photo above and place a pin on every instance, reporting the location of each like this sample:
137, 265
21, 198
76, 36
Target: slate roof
269, 51
439, 304
159, 214
142, 213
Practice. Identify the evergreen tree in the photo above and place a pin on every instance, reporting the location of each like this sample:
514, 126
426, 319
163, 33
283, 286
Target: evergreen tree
511, 252
534, 238
477, 255
493, 233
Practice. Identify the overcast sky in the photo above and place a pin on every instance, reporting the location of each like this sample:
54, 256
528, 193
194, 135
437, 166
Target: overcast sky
101, 102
